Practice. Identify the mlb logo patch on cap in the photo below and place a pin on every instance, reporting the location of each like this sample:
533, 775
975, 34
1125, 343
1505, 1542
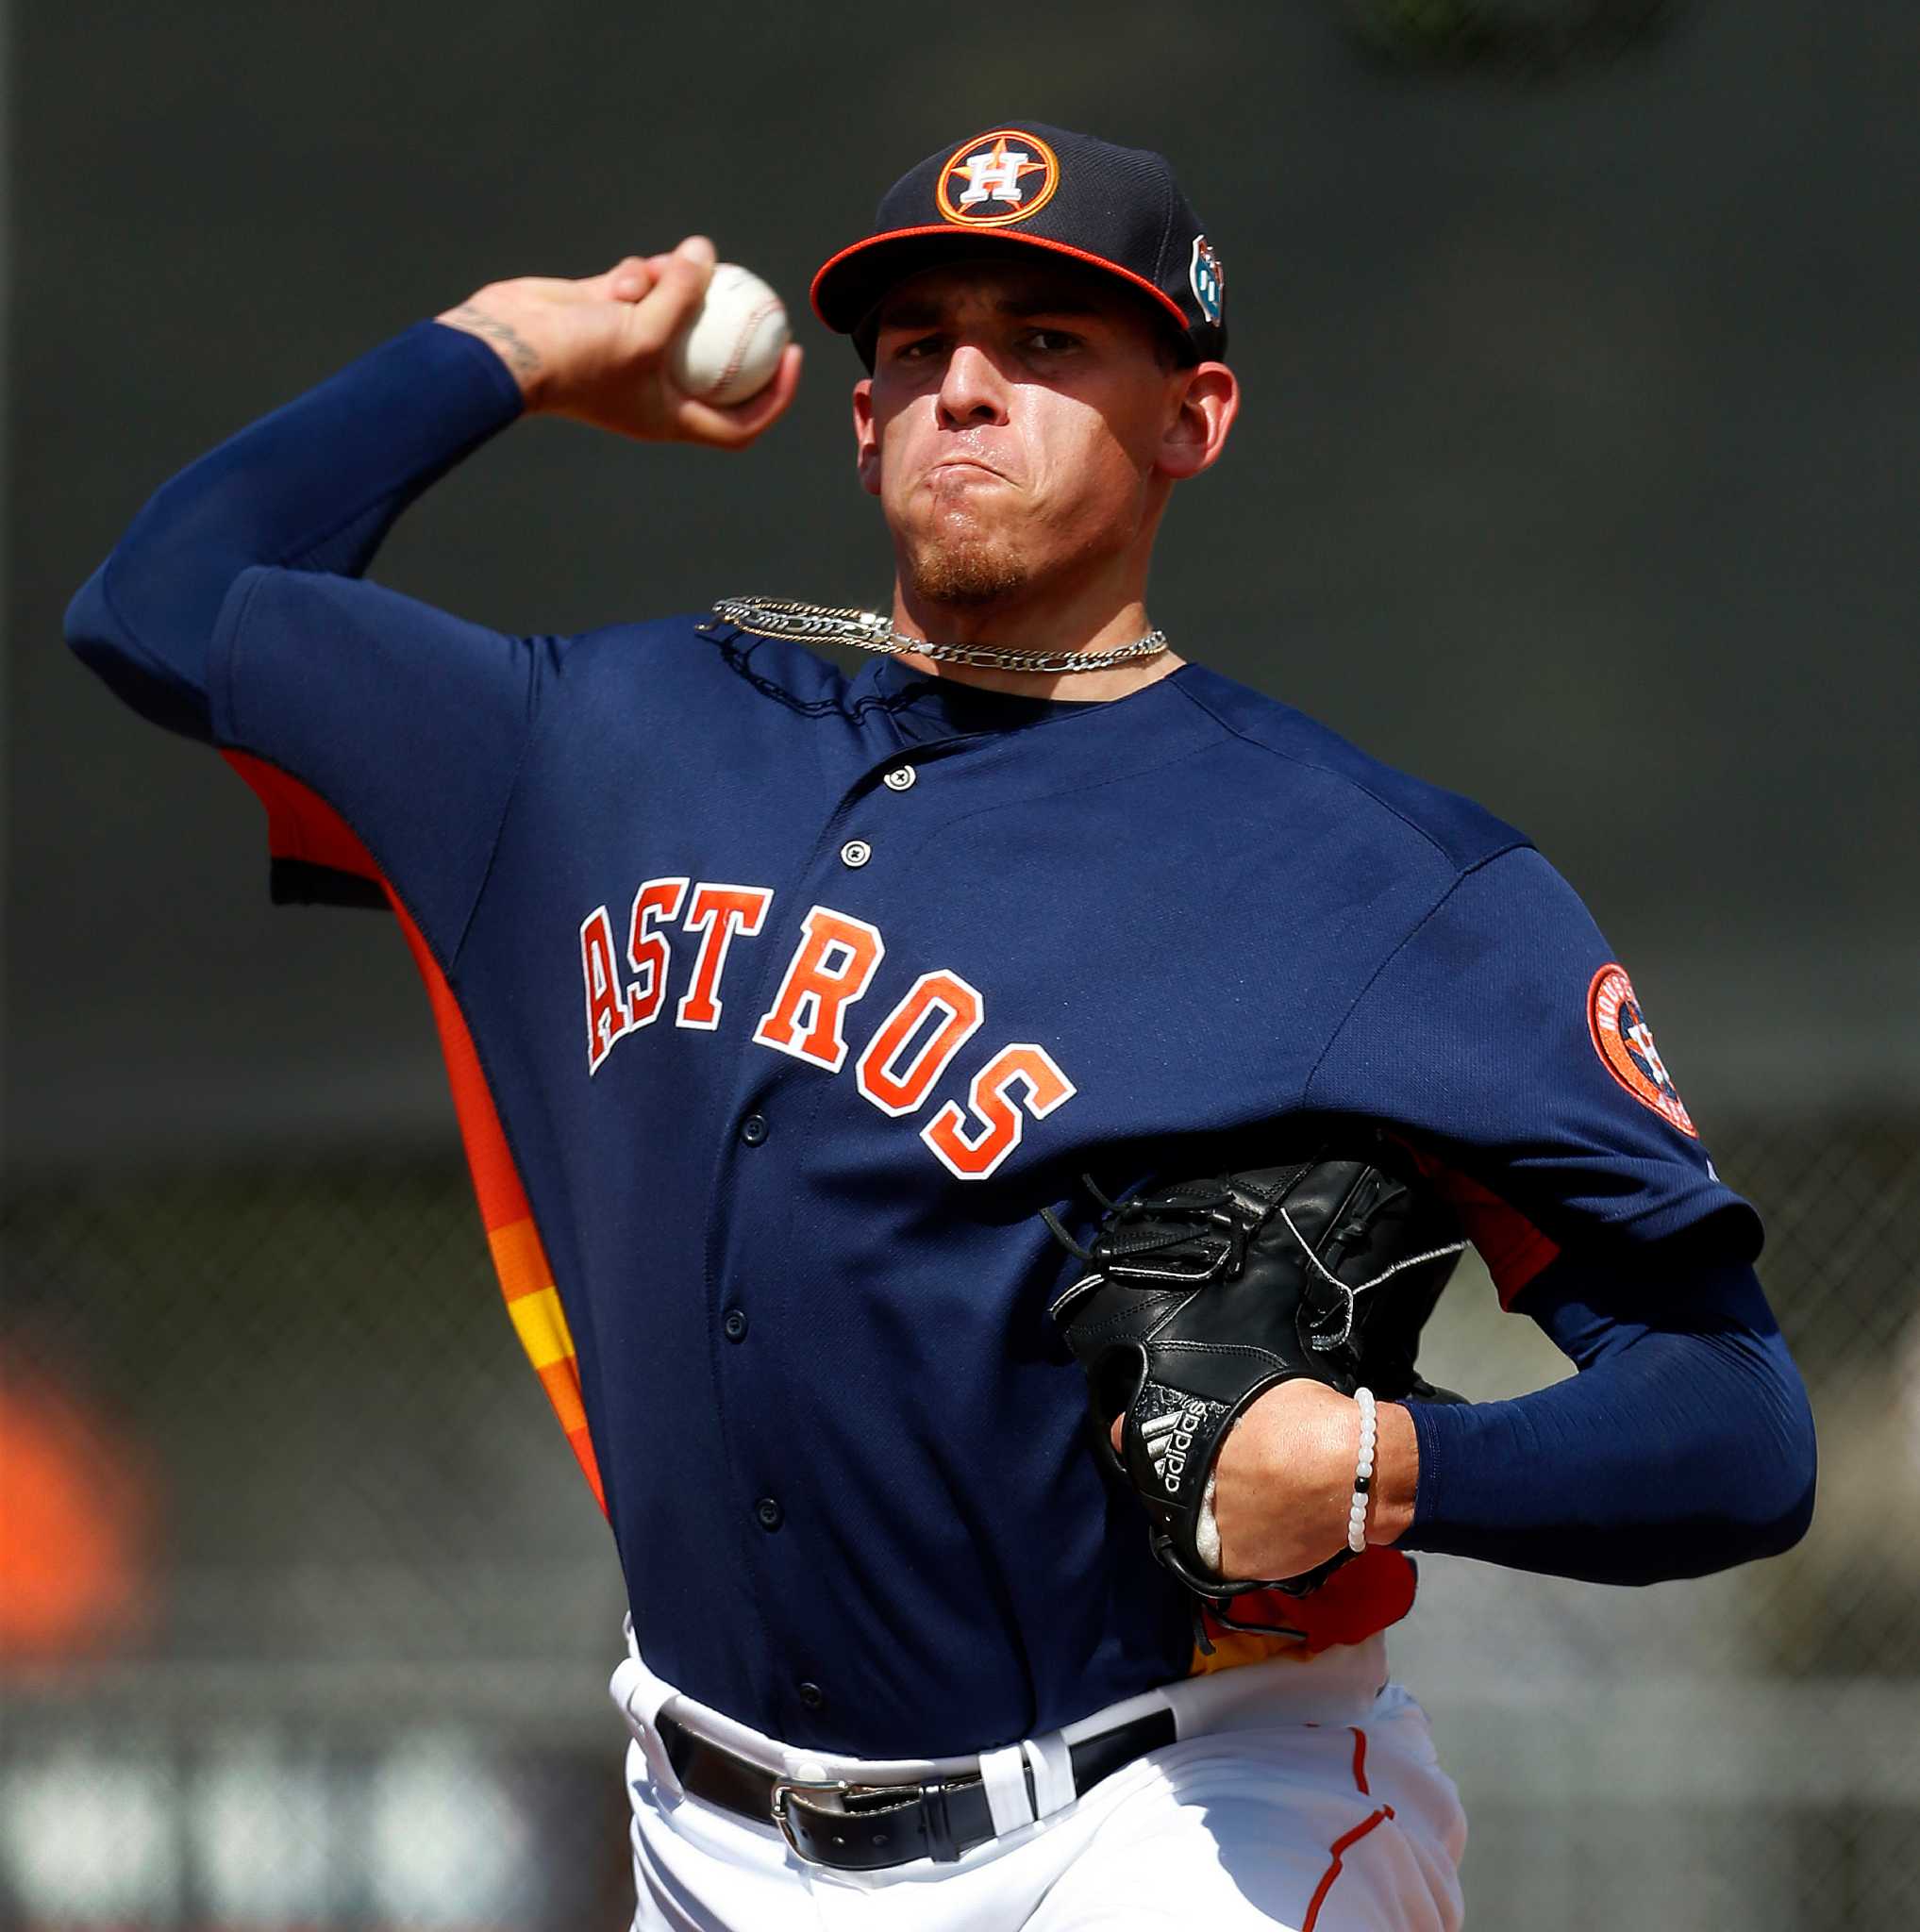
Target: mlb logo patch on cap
1028, 185
1208, 280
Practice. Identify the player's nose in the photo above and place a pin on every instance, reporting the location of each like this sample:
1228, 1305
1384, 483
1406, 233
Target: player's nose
972, 389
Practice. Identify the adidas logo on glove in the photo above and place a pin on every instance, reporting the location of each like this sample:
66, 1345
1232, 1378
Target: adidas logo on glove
1168, 1438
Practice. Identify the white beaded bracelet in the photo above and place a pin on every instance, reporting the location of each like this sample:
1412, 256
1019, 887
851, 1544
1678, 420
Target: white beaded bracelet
1363, 1473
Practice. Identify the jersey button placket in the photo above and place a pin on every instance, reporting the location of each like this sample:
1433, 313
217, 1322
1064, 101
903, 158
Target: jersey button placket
900, 778
785, 1566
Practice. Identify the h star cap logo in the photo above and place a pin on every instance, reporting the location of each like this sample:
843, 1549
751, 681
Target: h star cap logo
1003, 177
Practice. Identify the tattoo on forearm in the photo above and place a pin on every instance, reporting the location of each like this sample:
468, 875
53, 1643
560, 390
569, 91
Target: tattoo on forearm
520, 352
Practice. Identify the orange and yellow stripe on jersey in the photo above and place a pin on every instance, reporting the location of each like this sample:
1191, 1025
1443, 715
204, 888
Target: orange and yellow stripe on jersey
304, 828
519, 1258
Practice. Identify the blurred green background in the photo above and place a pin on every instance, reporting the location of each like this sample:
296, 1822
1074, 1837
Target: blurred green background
1577, 472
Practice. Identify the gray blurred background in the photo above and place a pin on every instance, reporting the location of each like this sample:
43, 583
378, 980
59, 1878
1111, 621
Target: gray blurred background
1575, 472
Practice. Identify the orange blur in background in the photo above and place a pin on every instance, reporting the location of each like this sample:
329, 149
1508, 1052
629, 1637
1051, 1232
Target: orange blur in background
74, 1515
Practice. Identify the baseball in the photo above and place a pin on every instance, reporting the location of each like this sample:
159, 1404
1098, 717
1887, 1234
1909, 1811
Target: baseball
732, 346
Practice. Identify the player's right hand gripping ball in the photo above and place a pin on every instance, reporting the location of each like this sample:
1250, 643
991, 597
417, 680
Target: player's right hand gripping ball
731, 348
1204, 1295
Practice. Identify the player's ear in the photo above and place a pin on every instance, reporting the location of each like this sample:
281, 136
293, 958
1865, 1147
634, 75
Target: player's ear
866, 435
1200, 412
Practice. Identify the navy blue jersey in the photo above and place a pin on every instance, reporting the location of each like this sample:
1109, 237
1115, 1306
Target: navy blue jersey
797, 995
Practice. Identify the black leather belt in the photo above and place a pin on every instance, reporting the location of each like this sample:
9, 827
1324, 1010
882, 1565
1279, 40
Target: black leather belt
870, 1827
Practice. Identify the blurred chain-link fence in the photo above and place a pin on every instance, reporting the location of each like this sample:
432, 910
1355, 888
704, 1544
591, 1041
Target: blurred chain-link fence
306, 1613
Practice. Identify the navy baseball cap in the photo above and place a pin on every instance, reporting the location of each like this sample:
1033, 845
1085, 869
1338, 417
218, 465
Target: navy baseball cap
1031, 185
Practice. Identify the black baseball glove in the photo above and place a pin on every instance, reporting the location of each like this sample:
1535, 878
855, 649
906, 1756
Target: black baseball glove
1202, 1295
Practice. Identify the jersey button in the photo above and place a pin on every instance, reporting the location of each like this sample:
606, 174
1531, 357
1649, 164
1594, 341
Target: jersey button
900, 778
810, 1693
753, 1129
856, 853
734, 1325
769, 1513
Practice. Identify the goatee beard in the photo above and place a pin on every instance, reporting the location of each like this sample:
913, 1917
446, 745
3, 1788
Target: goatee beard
966, 572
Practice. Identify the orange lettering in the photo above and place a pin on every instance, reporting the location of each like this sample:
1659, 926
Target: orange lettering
717, 913
961, 1008
974, 1155
646, 952
605, 1021
833, 965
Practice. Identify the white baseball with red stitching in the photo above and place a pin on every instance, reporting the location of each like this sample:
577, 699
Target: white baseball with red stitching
732, 346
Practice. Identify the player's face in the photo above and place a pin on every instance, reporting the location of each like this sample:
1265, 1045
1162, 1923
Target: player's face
1016, 426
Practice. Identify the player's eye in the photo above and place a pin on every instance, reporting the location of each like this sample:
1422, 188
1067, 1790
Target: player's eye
916, 349
1051, 342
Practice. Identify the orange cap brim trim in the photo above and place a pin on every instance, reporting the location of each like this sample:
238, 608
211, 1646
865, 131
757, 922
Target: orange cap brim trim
996, 236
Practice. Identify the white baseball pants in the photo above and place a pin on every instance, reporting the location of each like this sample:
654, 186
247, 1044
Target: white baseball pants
1304, 1795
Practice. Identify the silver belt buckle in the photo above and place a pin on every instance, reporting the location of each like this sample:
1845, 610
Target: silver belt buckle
825, 1787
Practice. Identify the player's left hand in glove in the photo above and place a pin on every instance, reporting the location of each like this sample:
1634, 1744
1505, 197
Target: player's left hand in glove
1203, 1295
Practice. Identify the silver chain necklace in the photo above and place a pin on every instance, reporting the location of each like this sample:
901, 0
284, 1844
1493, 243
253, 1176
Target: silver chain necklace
806, 624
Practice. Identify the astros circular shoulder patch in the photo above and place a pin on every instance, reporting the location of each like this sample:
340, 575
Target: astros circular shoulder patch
1623, 1040
1001, 176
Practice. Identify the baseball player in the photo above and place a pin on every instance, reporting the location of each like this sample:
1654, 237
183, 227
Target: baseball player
785, 1009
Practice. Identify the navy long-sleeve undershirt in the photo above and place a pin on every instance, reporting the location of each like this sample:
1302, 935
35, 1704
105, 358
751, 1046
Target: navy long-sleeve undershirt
314, 486
1684, 1444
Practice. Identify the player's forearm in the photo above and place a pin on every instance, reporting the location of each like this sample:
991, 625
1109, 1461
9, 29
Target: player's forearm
314, 486
1676, 1451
